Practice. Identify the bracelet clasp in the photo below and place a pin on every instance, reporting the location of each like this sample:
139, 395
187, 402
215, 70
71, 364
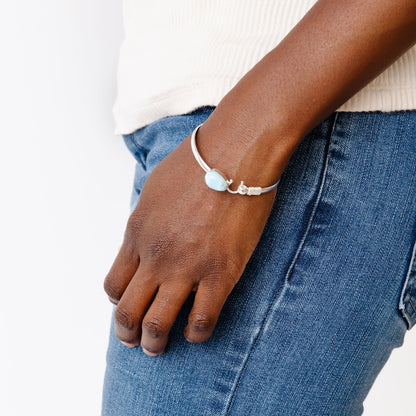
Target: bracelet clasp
246, 190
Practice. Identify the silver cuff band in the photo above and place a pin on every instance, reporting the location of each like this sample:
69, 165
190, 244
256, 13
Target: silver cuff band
216, 180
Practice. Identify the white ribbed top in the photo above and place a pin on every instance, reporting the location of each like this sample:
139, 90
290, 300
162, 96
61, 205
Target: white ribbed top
178, 55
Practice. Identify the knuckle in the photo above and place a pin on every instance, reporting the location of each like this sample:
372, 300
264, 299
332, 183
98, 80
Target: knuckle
160, 247
134, 226
218, 265
201, 322
111, 290
154, 326
218, 271
124, 318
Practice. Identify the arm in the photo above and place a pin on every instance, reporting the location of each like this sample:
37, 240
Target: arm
334, 51
183, 236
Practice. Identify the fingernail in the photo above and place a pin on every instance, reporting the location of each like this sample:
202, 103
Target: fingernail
113, 301
148, 352
127, 344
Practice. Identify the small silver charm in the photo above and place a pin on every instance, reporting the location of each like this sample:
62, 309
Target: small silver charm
216, 180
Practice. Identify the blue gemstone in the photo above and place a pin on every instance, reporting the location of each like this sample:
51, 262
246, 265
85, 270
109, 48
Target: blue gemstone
215, 181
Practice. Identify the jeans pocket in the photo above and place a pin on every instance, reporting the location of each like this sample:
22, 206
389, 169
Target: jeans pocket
407, 302
138, 152
140, 173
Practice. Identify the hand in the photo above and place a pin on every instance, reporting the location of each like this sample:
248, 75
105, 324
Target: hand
182, 236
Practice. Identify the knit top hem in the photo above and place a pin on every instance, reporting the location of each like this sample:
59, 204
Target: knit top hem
210, 93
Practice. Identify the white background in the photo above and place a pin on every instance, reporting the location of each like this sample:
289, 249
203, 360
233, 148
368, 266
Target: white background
65, 186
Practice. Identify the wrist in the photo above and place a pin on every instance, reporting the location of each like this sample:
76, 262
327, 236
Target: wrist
218, 181
240, 145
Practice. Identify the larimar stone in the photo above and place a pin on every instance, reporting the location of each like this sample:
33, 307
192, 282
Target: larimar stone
215, 180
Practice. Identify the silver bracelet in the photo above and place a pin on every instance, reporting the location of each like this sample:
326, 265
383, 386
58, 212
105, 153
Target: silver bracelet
216, 180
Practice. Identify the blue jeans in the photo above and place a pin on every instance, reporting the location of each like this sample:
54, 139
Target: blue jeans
329, 291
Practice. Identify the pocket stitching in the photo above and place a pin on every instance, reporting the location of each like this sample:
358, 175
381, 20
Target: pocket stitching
406, 292
138, 151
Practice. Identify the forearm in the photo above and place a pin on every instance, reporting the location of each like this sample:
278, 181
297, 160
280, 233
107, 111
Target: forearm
334, 51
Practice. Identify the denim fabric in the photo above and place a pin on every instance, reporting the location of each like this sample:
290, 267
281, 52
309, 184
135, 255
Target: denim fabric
329, 291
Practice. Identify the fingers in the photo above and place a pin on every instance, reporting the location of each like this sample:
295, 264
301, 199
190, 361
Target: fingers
123, 269
133, 306
146, 309
161, 315
209, 300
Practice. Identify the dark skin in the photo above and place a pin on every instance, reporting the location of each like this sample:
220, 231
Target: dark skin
183, 236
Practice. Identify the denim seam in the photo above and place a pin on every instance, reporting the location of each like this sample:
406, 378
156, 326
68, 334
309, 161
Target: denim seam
138, 146
402, 305
278, 297
139, 150
410, 301
315, 207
